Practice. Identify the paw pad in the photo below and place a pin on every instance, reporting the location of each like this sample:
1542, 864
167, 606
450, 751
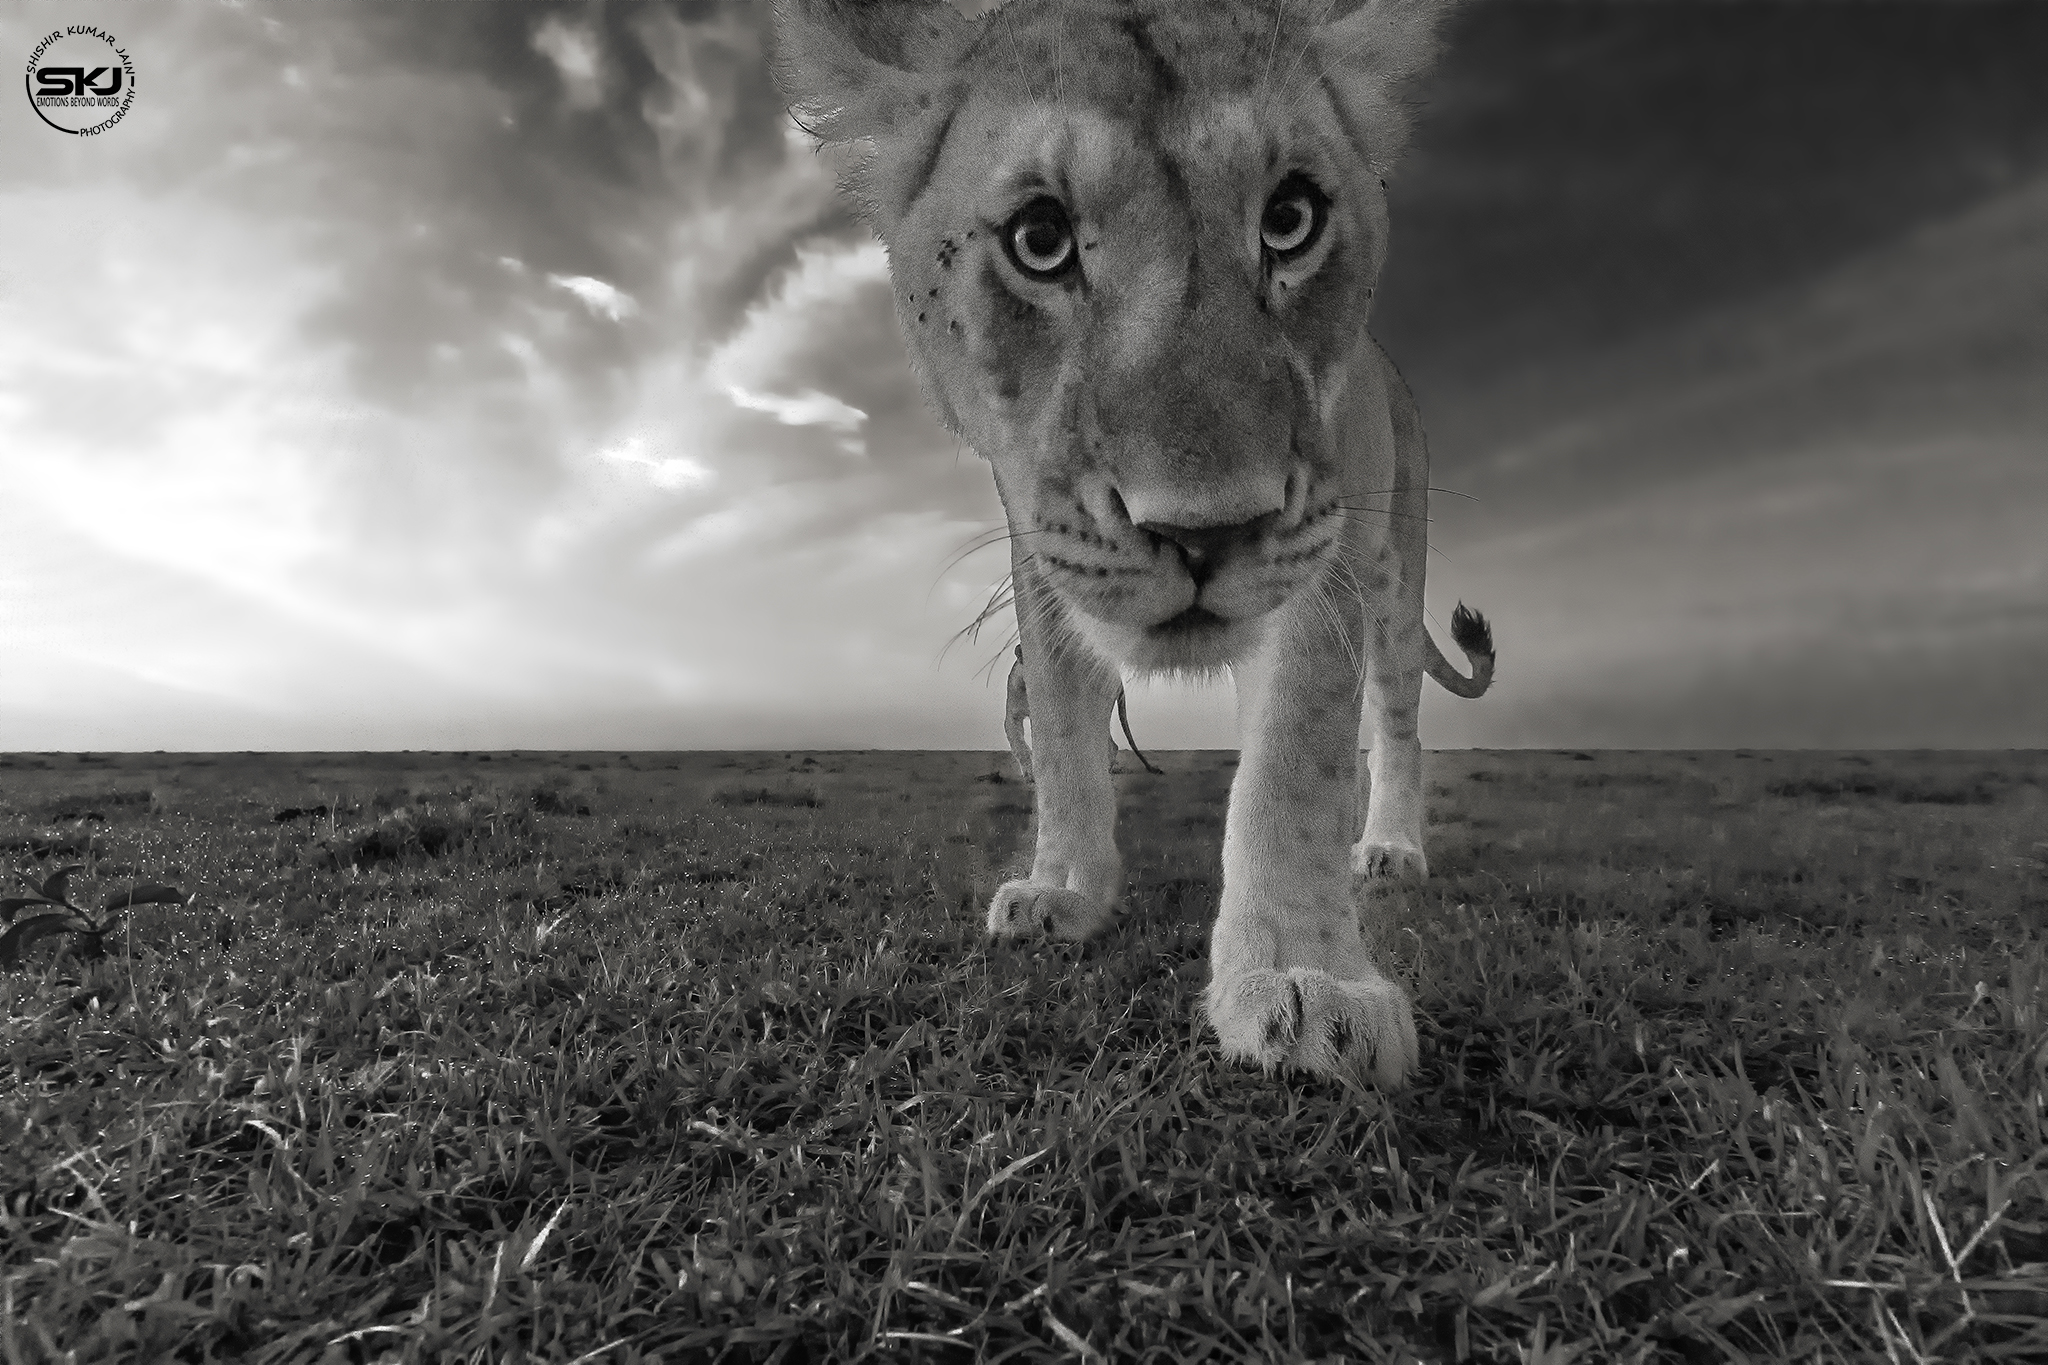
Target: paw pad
1315, 1022
1024, 908
1389, 862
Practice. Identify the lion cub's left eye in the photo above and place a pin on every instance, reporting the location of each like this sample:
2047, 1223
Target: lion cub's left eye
1039, 239
1293, 218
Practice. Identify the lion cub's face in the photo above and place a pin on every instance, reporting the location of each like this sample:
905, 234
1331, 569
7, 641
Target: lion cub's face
1133, 244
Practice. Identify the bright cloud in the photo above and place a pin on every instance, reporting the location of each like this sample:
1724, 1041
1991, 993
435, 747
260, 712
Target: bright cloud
806, 316
673, 473
574, 52
601, 298
807, 409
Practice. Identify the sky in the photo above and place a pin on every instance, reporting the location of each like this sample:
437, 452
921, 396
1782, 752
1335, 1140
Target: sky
509, 376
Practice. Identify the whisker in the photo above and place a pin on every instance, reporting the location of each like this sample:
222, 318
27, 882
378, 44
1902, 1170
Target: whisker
987, 539
980, 541
1344, 565
1390, 492
1289, 90
1006, 594
1272, 47
1009, 31
999, 531
1339, 564
988, 613
1319, 598
989, 667
971, 632
1380, 511
1059, 64
1333, 612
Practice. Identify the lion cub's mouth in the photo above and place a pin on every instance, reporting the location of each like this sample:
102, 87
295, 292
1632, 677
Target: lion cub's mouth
1193, 621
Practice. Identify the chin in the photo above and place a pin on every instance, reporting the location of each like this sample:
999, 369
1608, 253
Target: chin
1196, 642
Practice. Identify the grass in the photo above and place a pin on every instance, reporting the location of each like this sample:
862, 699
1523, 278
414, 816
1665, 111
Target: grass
702, 1057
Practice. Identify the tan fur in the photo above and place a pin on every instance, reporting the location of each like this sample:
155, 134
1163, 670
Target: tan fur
1206, 461
1017, 710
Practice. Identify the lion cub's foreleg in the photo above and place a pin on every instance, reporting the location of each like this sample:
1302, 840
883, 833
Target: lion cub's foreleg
1076, 873
1290, 980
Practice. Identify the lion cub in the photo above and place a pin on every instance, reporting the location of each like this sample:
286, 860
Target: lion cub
1133, 246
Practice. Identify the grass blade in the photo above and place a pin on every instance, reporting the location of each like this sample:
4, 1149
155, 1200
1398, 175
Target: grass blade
57, 883
15, 940
144, 893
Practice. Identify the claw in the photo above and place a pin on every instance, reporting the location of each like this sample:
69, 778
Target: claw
1331, 1027
1055, 911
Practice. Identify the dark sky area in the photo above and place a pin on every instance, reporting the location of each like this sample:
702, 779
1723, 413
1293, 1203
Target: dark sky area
1589, 173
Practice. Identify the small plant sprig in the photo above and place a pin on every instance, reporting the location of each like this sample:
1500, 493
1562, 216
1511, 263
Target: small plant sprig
63, 917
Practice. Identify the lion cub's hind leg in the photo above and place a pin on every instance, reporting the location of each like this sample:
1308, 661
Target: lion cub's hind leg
1391, 847
1017, 710
1076, 873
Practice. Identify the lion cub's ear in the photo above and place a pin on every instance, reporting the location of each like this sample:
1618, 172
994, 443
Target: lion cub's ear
859, 68
1374, 52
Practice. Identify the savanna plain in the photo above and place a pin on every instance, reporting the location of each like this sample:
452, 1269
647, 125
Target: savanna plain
700, 1057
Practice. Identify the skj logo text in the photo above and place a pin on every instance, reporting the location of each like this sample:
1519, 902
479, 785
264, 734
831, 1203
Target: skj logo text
80, 80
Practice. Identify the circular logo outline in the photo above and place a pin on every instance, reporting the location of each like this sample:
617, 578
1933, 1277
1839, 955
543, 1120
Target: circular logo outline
123, 77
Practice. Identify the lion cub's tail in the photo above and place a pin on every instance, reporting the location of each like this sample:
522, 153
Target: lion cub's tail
1475, 637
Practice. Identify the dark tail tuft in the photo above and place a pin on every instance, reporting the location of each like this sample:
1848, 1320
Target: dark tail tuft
1475, 637
1471, 633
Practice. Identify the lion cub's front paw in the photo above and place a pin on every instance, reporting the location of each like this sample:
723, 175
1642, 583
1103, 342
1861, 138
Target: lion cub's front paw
1027, 908
1309, 1019
1388, 862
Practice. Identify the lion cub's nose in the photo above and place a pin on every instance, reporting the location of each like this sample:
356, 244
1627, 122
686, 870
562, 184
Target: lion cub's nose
1203, 548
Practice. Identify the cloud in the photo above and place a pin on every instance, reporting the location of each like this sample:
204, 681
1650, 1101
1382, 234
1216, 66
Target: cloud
807, 409
713, 533
821, 349
574, 51
602, 299
673, 473
821, 312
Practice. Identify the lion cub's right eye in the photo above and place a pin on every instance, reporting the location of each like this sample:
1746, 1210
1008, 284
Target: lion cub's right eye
1293, 219
1040, 240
